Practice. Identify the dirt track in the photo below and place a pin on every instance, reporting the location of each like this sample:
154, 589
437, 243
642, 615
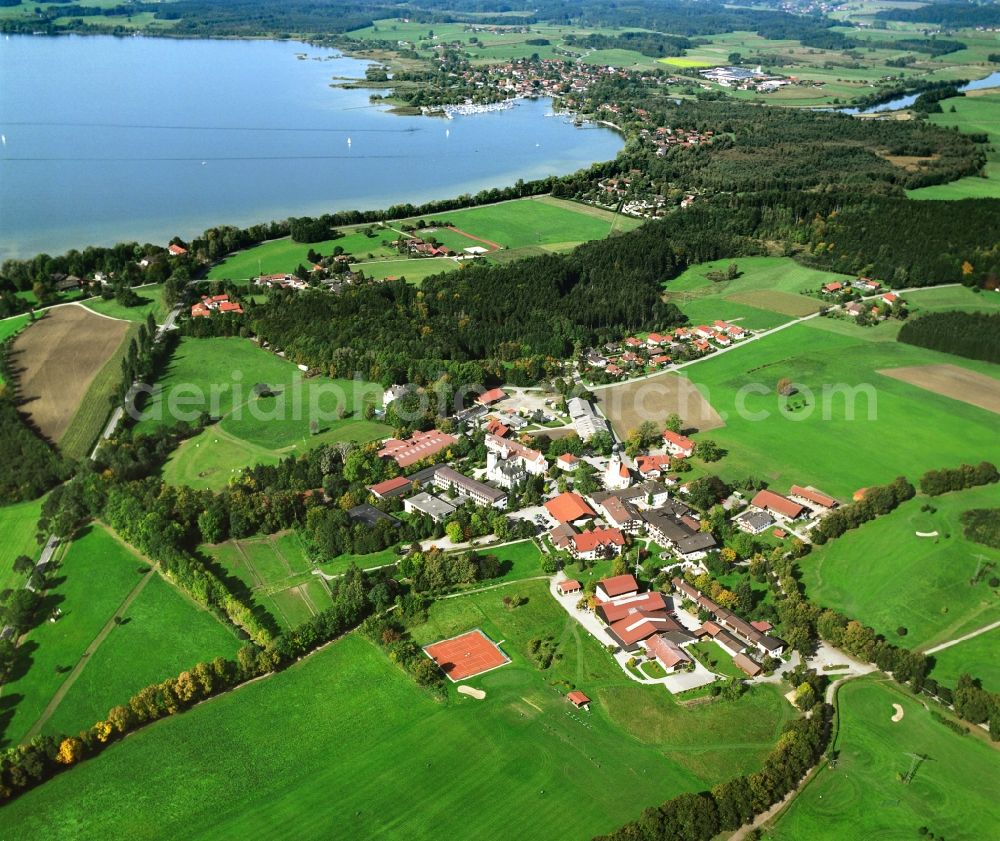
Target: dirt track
55, 361
952, 381
655, 399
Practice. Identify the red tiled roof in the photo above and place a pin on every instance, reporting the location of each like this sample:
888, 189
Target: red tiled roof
577, 697
641, 625
813, 495
491, 396
230, 306
678, 440
618, 585
389, 485
568, 507
620, 608
495, 427
649, 464
667, 652
589, 540
568, 458
570, 585
771, 501
418, 446
762, 626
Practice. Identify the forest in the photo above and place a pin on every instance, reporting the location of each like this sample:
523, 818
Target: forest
974, 335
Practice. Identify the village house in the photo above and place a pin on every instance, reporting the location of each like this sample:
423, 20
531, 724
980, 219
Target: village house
775, 503
418, 446
599, 543
176, 250
450, 479
667, 653
731, 330
678, 445
568, 462
215, 303
830, 288
531, 461
495, 426
754, 522
619, 514
652, 467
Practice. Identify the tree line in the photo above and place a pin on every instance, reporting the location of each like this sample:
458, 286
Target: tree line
877, 501
974, 335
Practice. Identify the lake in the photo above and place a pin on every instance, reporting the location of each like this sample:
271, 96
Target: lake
107, 139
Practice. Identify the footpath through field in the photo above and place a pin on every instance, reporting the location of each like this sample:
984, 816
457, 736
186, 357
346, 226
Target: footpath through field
942, 646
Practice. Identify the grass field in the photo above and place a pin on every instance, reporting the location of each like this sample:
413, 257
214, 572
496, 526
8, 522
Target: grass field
153, 302
95, 407
217, 375
18, 524
886, 576
163, 633
972, 114
953, 792
977, 657
58, 359
52, 649
278, 574
261, 757
714, 658
893, 427
536, 222
767, 293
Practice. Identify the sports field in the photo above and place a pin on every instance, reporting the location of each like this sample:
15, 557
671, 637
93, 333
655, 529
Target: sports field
551, 762
979, 113
58, 359
71, 671
276, 571
18, 524
952, 792
976, 656
218, 375
853, 427
886, 576
766, 294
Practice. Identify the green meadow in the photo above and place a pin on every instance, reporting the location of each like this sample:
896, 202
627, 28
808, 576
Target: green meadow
849, 426
260, 758
18, 524
276, 572
217, 375
540, 221
163, 632
767, 293
886, 576
152, 302
952, 793
976, 656
980, 114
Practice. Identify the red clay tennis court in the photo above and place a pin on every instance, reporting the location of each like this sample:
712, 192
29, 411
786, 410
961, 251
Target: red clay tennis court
464, 656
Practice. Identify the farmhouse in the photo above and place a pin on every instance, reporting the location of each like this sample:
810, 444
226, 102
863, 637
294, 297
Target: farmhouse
835, 286
448, 478
813, 498
677, 444
669, 654
569, 507
431, 506
775, 503
616, 587
754, 522
176, 250
390, 488
599, 543
210, 304
418, 446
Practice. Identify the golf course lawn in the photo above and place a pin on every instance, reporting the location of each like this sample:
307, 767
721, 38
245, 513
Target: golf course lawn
976, 656
18, 524
885, 576
952, 793
218, 375
163, 633
894, 426
259, 758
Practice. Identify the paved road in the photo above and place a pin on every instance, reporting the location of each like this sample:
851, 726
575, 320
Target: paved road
957, 640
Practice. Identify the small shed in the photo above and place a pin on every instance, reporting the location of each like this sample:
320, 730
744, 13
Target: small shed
569, 586
578, 699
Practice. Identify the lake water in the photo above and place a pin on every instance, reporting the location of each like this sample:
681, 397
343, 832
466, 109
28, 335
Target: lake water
901, 102
108, 139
